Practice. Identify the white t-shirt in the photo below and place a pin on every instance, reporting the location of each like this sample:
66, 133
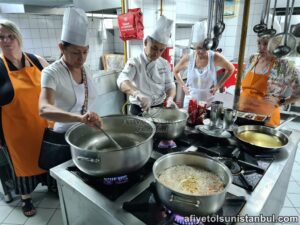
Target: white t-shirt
79, 92
57, 77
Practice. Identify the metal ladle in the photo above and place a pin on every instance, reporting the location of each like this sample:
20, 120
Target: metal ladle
110, 138
270, 31
208, 42
219, 24
284, 49
218, 27
261, 26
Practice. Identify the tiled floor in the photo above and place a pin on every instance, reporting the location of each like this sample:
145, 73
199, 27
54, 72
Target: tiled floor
47, 204
48, 210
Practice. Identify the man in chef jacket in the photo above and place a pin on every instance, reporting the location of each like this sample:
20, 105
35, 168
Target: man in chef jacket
147, 78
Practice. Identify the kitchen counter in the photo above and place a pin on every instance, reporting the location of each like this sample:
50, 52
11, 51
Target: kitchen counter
81, 203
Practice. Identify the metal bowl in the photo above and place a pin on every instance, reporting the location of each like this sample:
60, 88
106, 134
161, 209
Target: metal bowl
170, 123
94, 154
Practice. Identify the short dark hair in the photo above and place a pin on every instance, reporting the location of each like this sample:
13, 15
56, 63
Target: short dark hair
66, 44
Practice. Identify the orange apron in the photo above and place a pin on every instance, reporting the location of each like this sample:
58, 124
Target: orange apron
255, 87
23, 128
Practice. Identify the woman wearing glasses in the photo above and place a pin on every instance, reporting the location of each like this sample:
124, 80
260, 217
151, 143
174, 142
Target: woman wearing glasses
21, 127
201, 75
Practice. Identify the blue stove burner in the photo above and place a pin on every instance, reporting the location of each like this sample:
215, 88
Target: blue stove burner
116, 180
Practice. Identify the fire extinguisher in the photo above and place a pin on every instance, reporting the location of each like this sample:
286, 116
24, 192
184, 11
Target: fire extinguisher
168, 55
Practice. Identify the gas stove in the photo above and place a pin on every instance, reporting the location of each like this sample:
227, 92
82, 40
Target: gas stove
148, 208
114, 187
130, 198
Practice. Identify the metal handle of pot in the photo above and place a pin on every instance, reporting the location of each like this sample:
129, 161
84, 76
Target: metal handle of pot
176, 198
90, 160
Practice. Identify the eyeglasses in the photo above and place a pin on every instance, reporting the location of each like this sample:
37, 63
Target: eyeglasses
9, 37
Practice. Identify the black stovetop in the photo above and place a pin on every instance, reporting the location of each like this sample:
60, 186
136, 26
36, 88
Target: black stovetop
147, 207
114, 187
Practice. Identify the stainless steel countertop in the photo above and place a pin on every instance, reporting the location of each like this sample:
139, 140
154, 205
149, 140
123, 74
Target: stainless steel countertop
274, 181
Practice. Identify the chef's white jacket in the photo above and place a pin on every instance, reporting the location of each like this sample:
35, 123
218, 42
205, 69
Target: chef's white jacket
153, 78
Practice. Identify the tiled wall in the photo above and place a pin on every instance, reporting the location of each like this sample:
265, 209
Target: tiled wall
42, 34
150, 8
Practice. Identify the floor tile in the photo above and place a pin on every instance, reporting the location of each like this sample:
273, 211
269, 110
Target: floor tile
41, 188
16, 217
295, 199
287, 202
42, 217
288, 212
49, 201
16, 202
293, 187
8, 224
296, 166
296, 175
37, 197
56, 218
5, 211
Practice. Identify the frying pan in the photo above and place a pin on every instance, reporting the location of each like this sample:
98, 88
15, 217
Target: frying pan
259, 148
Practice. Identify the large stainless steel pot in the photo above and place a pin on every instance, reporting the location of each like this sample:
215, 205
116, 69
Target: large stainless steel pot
94, 154
190, 204
170, 123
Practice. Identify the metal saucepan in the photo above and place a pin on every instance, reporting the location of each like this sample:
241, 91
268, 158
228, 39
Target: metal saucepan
94, 154
191, 204
170, 123
262, 139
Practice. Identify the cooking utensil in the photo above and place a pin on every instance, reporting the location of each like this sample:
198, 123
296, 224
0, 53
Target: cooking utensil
213, 131
244, 118
215, 113
110, 138
271, 31
229, 118
208, 42
261, 26
170, 123
93, 153
272, 133
285, 48
295, 30
185, 204
219, 24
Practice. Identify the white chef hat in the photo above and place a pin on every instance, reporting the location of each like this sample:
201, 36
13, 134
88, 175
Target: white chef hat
199, 32
75, 27
162, 30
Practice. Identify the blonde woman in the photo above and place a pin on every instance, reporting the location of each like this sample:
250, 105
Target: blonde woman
21, 127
